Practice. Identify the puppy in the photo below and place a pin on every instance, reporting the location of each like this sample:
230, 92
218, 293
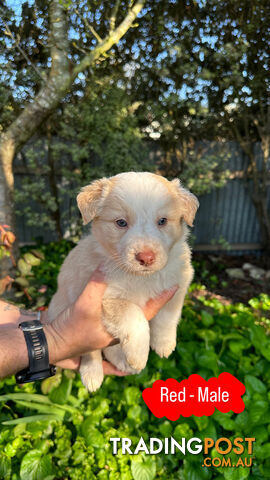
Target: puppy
139, 234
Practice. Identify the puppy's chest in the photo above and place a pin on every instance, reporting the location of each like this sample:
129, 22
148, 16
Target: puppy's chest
140, 289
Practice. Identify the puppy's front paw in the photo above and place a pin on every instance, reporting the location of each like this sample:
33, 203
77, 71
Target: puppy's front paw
116, 356
91, 374
136, 353
162, 346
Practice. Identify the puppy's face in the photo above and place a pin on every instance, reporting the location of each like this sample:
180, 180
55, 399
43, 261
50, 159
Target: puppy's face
137, 218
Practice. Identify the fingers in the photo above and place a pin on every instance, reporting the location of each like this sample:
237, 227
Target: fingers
74, 364
110, 369
70, 363
153, 305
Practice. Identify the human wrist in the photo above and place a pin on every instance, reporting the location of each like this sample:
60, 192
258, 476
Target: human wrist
56, 345
16, 353
19, 340
60, 338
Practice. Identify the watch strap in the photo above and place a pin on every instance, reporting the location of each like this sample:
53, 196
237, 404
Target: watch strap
38, 354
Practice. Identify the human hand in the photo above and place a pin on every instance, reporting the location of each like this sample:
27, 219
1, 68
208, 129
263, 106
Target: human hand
80, 329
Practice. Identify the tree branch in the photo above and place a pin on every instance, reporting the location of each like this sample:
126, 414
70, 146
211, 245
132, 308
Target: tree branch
60, 79
114, 15
17, 45
59, 40
88, 26
110, 40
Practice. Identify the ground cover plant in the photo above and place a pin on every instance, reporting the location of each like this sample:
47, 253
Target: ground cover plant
57, 430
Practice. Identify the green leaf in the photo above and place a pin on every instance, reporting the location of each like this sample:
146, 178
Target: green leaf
35, 466
60, 394
254, 385
24, 267
224, 420
201, 422
43, 408
207, 319
236, 346
242, 420
19, 429
195, 472
50, 383
132, 395
262, 451
165, 429
210, 431
31, 259
99, 413
33, 418
25, 396
19, 294
260, 433
38, 254
207, 335
91, 435
239, 473
143, 470
135, 413
22, 281
260, 340
257, 411
5, 466
209, 359
182, 430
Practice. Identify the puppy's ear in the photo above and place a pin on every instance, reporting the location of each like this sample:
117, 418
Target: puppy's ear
91, 198
188, 200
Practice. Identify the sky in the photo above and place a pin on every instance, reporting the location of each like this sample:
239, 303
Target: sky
16, 6
182, 93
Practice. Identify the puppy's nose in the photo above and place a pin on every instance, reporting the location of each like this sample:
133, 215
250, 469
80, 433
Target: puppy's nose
147, 257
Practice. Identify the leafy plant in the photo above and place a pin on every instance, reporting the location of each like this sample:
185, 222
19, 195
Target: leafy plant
64, 432
37, 270
7, 238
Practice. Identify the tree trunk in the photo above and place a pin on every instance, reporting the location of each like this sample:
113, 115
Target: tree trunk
258, 190
54, 89
16, 136
259, 197
7, 150
7, 214
261, 205
55, 214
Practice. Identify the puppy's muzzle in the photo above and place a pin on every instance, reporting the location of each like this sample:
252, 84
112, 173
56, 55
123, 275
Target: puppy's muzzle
146, 257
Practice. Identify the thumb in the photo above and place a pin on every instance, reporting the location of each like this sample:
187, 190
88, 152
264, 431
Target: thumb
153, 305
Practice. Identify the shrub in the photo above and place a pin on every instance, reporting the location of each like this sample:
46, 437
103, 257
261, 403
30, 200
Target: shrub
57, 430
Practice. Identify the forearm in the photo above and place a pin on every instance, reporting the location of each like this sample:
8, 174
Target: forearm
13, 349
74, 332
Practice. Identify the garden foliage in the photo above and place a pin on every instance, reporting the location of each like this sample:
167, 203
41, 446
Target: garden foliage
57, 430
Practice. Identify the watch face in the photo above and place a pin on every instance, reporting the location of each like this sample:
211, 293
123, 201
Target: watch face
31, 326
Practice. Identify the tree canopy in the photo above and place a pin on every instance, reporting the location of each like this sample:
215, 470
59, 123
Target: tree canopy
189, 71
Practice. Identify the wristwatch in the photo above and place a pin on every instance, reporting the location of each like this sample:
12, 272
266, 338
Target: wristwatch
38, 354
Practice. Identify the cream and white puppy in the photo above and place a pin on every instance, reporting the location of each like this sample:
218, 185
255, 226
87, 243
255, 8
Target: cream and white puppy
139, 234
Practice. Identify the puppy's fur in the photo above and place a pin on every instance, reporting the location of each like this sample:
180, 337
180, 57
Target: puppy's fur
141, 199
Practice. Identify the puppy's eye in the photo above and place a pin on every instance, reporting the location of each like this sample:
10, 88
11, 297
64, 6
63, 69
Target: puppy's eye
121, 223
162, 221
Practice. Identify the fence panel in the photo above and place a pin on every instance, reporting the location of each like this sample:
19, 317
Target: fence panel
226, 215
